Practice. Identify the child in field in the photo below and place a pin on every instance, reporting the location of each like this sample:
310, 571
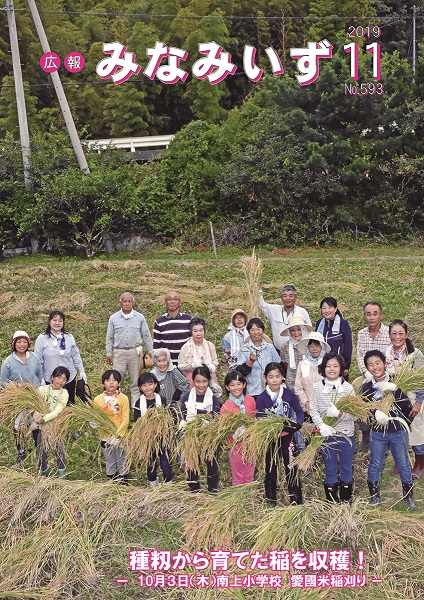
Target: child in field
116, 405
234, 339
237, 402
201, 401
56, 397
150, 397
388, 431
278, 399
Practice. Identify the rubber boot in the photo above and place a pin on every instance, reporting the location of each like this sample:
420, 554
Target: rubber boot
271, 493
123, 479
364, 445
154, 483
346, 491
408, 496
45, 473
418, 469
374, 488
332, 492
295, 493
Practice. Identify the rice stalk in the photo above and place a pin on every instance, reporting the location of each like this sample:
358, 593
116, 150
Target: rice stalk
217, 523
355, 406
409, 379
190, 443
261, 436
82, 417
152, 433
24, 398
219, 433
251, 267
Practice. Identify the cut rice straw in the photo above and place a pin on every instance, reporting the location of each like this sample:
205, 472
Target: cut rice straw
191, 441
23, 399
252, 271
84, 417
152, 433
262, 435
407, 379
351, 404
220, 432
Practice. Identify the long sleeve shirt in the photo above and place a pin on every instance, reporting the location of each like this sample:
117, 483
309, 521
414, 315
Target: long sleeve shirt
119, 414
255, 378
366, 342
340, 341
320, 400
279, 318
171, 333
127, 333
56, 400
50, 355
13, 369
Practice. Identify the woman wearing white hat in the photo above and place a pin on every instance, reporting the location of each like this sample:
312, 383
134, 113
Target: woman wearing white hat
313, 347
21, 366
234, 339
296, 331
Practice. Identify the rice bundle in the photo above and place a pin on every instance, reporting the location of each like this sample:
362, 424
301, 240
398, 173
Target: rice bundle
218, 433
17, 398
191, 442
252, 271
351, 404
84, 416
258, 438
406, 379
152, 433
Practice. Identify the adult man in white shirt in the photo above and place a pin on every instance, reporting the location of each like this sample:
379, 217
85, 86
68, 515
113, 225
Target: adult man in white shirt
279, 316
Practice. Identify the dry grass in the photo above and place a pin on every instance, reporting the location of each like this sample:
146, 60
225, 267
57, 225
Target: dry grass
151, 434
251, 267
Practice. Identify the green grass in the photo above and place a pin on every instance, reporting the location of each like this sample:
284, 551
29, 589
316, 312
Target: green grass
87, 291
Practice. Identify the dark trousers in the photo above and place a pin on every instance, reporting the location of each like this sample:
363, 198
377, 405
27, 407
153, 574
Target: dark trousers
213, 477
41, 454
271, 466
164, 465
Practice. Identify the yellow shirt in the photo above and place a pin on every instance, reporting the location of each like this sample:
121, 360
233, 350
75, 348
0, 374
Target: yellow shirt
118, 411
56, 399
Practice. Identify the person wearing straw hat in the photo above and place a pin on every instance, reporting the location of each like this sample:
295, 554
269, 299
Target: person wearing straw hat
234, 339
279, 316
314, 347
21, 366
290, 355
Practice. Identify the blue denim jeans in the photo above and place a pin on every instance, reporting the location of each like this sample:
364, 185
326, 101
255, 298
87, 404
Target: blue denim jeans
337, 454
397, 443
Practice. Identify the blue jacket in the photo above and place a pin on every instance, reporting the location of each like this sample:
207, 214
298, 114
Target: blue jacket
340, 342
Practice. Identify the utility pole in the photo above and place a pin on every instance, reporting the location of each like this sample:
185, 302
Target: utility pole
414, 19
19, 91
69, 121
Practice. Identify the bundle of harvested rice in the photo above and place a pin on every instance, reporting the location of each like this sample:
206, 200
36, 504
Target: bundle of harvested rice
153, 432
191, 441
251, 267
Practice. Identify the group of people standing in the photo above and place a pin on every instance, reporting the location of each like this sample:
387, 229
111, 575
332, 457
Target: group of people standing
302, 373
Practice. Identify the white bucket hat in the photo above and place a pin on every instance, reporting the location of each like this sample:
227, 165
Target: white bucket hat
314, 335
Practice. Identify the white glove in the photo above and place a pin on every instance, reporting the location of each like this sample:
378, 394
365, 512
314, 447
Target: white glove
238, 432
332, 411
412, 396
83, 376
38, 417
205, 422
367, 375
325, 430
113, 441
139, 350
197, 363
381, 418
386, 386
182, 424
211, 368
93, 425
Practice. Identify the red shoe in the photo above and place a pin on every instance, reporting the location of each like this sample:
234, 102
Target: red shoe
394, 471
